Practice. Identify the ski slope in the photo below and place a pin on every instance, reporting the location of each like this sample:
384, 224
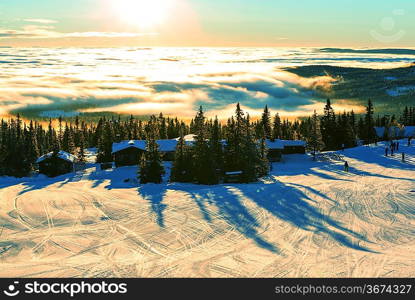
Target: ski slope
308, 219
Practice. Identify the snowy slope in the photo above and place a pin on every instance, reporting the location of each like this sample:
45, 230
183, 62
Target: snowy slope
308, 219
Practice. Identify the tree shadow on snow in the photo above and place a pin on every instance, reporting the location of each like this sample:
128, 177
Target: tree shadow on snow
154, 193
378, 157
231, 209
41, 182
285, 202
291, 205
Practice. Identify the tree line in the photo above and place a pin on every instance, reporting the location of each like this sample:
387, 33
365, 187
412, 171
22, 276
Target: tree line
22, 142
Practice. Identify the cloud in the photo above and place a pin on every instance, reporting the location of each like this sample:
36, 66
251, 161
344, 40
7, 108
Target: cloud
41, 21
107, 34
36, 81
48, 32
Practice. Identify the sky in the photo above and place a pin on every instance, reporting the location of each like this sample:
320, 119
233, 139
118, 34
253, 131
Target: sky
206, 23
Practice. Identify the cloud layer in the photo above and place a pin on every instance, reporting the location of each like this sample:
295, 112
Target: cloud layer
175, 81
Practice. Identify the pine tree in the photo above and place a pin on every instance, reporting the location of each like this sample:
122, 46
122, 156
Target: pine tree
32, 147
276, 130
315, 140
203, 164
370, 135
266, 123
263, 163
182, 165
68, 143
151, 168
250, 156
105, 145
216, 147
242, 152
81, 151
329, 128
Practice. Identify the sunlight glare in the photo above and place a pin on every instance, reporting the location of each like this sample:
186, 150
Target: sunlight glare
142, 13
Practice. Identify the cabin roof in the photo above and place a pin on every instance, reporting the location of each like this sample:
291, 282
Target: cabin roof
275, 145
164, 145
170, 145
61, 154
281, 144
293, 143
188, 138
234, 173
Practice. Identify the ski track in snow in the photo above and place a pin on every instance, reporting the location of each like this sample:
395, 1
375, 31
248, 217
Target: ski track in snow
307, 219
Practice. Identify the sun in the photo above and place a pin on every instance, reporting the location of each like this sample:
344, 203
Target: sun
143, 14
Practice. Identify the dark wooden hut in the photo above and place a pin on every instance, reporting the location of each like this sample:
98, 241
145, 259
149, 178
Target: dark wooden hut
56, 163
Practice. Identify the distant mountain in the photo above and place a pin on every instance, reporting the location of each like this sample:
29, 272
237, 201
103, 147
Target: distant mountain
384, 86
370, 51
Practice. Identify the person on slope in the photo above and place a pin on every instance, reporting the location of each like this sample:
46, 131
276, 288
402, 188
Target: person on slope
346, 166
386, 151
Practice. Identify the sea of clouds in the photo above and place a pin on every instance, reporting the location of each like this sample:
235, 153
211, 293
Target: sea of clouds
175, 81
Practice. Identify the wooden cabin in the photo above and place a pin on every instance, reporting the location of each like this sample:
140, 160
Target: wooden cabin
128, 153
294, 147
233, 177
275, 149
56, 163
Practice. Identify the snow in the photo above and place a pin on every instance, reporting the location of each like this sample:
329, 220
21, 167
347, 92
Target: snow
234, 173
307, 219
277, 144
61, 154
188, 138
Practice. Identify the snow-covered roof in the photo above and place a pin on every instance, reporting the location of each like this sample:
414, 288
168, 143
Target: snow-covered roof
281, 144
188, 138
293, 143
170, 145
164, 145
234, 173
277, 144
394, 131
61, 154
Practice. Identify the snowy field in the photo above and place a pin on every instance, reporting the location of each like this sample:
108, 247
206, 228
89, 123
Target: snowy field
308, 219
